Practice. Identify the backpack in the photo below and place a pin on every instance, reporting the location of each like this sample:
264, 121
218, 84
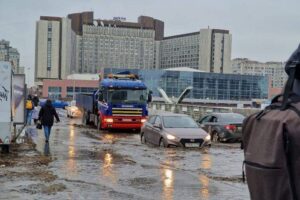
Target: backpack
271, 143
29, 105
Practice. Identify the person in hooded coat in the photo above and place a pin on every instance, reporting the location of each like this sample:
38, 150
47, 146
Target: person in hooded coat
46, 117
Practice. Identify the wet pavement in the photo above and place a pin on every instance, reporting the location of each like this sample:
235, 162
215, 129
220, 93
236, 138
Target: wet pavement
87, 164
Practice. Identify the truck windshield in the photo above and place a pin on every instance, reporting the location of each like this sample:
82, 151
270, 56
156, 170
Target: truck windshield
127, 96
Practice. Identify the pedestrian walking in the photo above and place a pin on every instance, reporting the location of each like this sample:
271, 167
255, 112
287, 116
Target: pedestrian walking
36, 100
46, 116
29, 108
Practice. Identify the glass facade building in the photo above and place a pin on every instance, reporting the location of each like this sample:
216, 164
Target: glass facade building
213, 86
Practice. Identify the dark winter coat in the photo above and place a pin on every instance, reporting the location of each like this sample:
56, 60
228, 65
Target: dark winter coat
35, 101
47, 114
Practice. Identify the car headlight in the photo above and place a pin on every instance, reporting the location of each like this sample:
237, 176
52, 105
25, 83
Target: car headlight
143, 120
207, 138
171, 137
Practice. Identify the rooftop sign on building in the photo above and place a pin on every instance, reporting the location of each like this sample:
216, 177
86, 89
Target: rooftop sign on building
122, 19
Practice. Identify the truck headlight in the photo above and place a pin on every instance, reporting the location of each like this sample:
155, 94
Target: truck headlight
207, 138
143, 120
109, 120
171, 137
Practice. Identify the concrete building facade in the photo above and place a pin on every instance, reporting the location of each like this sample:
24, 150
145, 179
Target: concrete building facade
103, 47
80, 43
10, 54
55, 48
274, 70
207, 50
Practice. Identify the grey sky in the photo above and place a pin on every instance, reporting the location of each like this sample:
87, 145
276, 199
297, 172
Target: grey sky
263, 30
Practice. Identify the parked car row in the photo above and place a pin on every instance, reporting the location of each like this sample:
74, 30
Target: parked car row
179, 130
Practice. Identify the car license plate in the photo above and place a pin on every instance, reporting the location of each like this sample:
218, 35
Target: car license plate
192, 144
126, 120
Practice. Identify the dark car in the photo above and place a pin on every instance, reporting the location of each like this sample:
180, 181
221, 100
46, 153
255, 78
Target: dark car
223, 127
173, 130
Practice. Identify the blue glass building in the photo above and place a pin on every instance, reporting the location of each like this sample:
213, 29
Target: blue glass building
205, 85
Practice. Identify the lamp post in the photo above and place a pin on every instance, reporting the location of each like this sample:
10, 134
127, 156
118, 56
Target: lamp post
73, 85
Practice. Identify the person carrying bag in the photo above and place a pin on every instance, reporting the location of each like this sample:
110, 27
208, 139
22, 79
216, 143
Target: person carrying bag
46, 117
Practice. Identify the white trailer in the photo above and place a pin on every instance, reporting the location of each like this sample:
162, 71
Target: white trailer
12, 105
5, 104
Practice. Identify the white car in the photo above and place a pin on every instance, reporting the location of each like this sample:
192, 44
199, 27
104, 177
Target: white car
72, 110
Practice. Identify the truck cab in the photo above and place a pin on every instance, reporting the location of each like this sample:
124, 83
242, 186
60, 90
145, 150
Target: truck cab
122, 102
119, 103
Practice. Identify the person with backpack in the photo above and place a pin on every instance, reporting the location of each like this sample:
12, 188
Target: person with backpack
271, 142
46, 117
29, 108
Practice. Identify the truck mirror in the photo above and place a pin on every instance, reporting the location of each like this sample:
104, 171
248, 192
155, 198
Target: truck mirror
100, 98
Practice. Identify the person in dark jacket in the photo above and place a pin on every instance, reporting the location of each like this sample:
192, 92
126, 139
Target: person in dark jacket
35, 100
46, 117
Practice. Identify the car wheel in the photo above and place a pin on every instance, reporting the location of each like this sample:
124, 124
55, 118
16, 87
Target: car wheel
215, 137
161, 143
143, 139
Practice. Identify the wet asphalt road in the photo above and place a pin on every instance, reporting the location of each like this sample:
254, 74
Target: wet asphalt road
104, 165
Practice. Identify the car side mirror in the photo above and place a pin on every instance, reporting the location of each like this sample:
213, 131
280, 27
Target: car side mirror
158, 126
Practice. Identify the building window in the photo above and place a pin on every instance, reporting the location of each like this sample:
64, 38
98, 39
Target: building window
54, 92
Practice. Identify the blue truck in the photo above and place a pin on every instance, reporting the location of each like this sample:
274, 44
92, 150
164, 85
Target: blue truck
119, 103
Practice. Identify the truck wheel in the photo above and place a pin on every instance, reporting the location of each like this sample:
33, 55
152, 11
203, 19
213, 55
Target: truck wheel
85, 120
99, 124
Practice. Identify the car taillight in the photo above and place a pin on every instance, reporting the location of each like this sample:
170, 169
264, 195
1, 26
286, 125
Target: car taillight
231, 127
1, 141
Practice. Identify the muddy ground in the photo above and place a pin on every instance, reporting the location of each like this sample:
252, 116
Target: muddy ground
83, 163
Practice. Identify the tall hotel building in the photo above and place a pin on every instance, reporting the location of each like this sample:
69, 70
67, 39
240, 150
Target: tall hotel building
81, 44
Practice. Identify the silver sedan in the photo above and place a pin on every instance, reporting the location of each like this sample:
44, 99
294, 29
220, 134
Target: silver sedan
174, 130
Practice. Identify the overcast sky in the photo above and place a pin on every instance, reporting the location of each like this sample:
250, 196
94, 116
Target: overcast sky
263, 30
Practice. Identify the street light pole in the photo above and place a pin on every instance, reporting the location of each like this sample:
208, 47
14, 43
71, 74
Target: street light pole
74, 87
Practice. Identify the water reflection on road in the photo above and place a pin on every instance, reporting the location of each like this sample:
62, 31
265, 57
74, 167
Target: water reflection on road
168, 184
125, 169
167, 176
71, 161
204, 180
107, 168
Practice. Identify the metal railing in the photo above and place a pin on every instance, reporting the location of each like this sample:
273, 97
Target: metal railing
196, 111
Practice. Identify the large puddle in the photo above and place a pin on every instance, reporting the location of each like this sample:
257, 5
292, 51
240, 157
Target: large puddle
89, 163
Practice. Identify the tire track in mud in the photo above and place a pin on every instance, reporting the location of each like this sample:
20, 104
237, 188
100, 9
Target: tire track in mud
105, 188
